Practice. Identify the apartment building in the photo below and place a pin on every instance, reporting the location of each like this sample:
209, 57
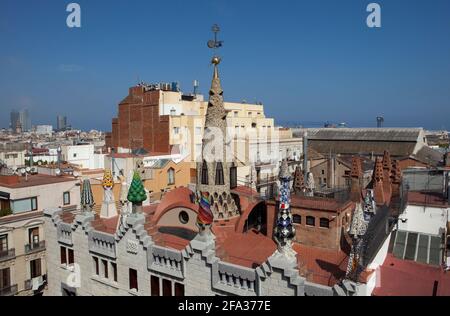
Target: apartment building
22, 237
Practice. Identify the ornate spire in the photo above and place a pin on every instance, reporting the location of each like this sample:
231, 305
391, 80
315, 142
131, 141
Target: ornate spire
299, 181
213, 171
284, 230
87, 199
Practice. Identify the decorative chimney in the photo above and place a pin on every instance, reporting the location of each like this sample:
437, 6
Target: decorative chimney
299, 181
108, 209
284, 230
136, 194
356, 175
87, 199
378, 187
387, 167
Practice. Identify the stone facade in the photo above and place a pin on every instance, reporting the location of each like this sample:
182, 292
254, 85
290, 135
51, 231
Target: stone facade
195, 269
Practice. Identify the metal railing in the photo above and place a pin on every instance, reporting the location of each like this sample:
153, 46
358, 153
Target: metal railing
9, 290
7, 254
28, 284
35, 247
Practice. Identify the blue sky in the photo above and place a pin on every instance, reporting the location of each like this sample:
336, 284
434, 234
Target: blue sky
307, 61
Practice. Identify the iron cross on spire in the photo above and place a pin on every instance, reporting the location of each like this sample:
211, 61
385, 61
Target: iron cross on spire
215, 44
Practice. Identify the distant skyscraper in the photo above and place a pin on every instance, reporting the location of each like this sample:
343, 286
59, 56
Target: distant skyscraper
61, 123
25, 120
14, 119
22, 117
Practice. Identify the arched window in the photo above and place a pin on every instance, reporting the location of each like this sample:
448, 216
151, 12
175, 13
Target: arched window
233, 177
297, 219
324, 223
219, 174
205, 173
171, 176
310, 221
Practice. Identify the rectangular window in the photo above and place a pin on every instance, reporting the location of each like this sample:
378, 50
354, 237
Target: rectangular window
133, 280
5, 278
3, 243
324, 223
35, 268
171, 176
154, 283
176, 130
114, 270
310, 221
66, 198
167, 288
33, 236
179, 289
63, 255
236, 113
71, 257
105, 268
24, 205
96, 267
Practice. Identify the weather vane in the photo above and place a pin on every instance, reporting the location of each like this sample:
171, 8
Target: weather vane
215, 44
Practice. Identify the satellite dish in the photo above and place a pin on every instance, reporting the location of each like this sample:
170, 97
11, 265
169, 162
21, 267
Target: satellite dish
14, 168
76, 174
58, 172
22, 171
28, 169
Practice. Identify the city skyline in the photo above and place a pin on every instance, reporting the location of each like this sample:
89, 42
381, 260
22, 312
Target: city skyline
306, 62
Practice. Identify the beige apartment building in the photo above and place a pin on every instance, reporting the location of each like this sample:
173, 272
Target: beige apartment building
22, 239
15, 158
